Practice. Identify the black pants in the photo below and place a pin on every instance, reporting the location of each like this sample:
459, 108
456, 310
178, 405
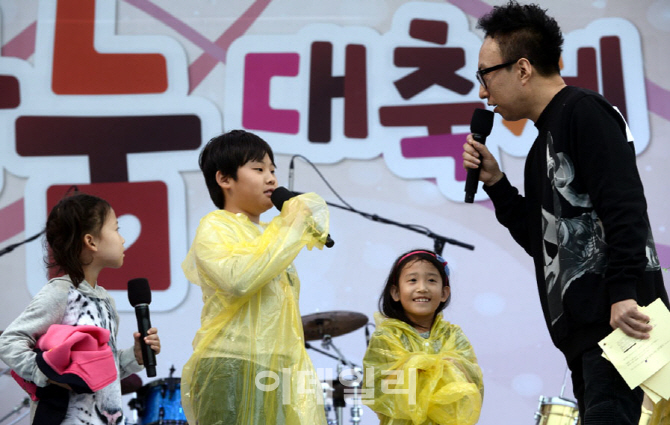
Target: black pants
603, 396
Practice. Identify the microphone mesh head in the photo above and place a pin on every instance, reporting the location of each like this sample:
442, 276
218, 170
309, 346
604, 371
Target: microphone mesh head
281, 195
482, 122
139, 291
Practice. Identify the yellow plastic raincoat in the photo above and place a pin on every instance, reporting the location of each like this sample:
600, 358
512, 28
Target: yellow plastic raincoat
422, 381
249, 364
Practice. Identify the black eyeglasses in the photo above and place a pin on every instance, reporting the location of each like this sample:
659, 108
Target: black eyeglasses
480, 74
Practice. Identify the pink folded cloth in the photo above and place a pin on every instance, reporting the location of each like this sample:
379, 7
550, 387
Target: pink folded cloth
78, 356
79, 350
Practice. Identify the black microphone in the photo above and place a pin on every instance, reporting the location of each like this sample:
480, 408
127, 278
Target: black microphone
480, 127
139, 295
281, 195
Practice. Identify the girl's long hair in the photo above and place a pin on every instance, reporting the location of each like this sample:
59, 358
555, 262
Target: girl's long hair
69, 221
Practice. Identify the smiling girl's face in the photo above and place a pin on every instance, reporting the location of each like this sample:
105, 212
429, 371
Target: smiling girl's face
420, 291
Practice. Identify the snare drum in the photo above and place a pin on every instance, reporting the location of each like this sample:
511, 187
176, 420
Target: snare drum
557, 411
160, 403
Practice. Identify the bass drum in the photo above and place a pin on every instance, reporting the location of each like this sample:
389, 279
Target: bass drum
160, 403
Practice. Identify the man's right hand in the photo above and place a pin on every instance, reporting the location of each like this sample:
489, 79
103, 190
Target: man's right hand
475, 153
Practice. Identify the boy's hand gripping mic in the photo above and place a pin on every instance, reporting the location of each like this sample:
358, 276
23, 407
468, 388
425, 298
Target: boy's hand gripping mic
281, 195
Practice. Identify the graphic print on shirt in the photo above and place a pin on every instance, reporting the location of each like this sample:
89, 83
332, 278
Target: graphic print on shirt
653, 263
572, 245
104, 407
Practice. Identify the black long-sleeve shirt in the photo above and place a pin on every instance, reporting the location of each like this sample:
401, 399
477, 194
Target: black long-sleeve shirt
583, 219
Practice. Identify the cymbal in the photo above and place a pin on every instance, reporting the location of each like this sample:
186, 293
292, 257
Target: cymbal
130, 384
333, 323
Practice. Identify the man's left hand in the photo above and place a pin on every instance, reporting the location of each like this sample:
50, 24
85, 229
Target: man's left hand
626, 316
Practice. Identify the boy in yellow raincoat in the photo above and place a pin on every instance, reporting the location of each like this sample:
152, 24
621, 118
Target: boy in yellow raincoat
420, 369
249, 364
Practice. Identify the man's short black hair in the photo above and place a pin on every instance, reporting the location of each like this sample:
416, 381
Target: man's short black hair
525, 31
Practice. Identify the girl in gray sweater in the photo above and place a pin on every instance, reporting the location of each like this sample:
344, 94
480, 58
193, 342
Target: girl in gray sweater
82, 234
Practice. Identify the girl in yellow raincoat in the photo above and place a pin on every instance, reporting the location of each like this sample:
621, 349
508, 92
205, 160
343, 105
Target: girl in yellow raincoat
249, 365
420, 369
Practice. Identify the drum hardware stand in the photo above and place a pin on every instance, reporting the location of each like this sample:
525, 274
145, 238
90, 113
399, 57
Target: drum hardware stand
17, 409
356, 410
337, 401
327, 407
168, 387
171, 384
328, 343
325, 353
565, 378
137, 406
367, 332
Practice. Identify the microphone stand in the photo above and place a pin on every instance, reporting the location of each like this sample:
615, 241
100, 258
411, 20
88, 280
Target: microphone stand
11, 248
438, 240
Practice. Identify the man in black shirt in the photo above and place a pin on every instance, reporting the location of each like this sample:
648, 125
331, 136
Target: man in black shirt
583, 216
